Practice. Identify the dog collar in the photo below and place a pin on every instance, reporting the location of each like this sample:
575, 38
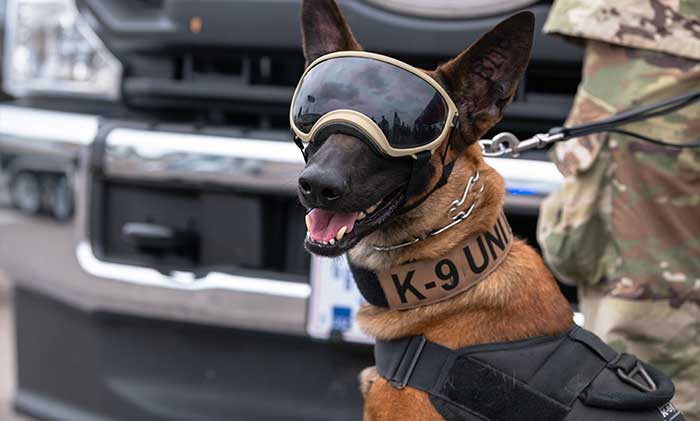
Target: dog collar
423, 282
453, 212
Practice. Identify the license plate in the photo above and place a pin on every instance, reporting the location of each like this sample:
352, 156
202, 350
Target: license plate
334, 301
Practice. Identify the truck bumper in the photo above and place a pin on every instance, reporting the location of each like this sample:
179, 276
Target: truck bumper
100, 339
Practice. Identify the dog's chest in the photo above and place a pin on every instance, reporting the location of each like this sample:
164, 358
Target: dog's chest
386, 403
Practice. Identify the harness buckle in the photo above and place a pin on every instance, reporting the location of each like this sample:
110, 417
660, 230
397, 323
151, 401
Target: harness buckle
408, 362
638, 369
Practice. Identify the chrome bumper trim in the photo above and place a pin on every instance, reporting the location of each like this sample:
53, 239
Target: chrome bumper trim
48, 127
186, 280
259, 164
146, 154
262, 165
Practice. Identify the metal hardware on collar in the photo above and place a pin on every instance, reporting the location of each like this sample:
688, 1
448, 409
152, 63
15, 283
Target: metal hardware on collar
650, 385
456, 219
508, 144
459, 202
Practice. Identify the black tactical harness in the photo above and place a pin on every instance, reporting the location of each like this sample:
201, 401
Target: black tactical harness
571, 377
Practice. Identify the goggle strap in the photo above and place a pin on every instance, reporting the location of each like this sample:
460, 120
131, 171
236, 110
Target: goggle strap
300, 145
348, 129
419, 164
446, 172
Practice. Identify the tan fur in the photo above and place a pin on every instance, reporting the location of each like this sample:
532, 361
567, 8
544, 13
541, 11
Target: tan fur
366, 378
520, 299
433, 213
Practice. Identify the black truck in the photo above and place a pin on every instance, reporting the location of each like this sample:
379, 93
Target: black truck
155, 248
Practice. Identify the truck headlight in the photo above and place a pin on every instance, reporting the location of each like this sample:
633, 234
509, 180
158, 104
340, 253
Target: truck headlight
50, 49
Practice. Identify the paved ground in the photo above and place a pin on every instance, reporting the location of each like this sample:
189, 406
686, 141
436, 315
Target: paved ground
7, 340
7, 359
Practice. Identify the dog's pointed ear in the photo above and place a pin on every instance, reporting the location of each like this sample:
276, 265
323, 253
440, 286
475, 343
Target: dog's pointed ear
324, 30
483, 78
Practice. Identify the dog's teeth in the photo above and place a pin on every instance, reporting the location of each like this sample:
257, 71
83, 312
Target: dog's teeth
332, 241
372, 208
341, 232
361, 216
308, 222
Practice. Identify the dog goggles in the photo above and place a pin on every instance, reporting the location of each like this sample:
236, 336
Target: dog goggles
397, 108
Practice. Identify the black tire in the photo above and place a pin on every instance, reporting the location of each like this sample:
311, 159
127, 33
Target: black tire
25, 191
61, 199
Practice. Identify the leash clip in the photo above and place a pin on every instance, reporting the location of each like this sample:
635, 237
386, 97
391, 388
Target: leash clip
501, 144
508, 144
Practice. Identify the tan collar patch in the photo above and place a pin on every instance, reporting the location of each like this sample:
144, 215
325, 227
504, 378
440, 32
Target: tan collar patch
425, 282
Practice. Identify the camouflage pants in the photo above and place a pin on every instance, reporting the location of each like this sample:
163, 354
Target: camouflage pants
666, 337
625, 225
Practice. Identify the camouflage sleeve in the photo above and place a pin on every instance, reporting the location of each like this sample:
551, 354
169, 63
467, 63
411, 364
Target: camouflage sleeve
573, 227
627, 212
578, 154
668, 26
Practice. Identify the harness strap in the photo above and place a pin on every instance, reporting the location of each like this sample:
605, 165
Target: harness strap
412, 360
453, 378
545, 378
563, 377
594, 342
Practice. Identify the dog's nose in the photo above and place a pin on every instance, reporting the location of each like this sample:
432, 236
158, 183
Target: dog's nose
321, 187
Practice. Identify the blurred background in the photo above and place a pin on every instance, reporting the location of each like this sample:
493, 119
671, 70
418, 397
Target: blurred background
151, 259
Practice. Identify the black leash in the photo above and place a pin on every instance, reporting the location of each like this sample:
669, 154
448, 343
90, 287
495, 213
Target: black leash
509, 144
626, 117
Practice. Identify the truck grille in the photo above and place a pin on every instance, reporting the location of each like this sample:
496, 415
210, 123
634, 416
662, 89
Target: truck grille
218, 87
234, 231
253, 89
236, 63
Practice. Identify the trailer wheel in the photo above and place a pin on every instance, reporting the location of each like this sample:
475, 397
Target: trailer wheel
26, 192
61, 199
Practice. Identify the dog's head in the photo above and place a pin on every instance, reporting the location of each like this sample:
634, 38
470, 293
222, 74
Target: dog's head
352, 190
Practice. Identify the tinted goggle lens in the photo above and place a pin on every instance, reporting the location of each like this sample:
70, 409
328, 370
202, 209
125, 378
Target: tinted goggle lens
409, 111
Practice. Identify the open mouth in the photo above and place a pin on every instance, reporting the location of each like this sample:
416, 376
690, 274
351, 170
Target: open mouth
331, 233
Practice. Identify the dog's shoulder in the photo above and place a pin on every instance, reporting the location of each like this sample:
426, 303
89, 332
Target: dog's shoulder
384, 402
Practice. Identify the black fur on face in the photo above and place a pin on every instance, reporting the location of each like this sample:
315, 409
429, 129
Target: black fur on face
362, 180
367, 176
345, 178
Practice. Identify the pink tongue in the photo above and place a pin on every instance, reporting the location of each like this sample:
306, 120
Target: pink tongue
325, 224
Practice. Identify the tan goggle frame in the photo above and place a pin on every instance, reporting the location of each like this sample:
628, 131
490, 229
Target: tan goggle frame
365, 124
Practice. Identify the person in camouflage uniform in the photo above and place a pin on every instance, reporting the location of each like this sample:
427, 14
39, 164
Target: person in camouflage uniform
625, 225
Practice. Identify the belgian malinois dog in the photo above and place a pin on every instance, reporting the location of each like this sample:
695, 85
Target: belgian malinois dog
354, 194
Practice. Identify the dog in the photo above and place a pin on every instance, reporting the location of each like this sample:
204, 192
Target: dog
519, 299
